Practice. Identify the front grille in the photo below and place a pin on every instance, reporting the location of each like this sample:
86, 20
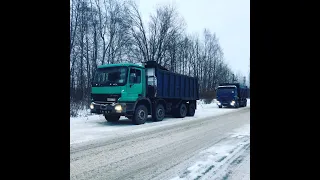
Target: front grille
104, 97
225, 99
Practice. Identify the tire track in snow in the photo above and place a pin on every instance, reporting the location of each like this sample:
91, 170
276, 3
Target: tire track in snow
157, 153
220, 160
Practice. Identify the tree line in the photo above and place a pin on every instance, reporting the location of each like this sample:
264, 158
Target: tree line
113, 31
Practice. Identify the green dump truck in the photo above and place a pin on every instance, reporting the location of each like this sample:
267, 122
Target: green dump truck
136, 91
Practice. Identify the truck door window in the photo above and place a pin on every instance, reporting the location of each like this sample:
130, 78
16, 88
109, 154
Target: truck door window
135, 76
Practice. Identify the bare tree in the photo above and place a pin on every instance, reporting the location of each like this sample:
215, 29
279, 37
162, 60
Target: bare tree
74, 19
138, 32
94, 23
164, 26
113, 31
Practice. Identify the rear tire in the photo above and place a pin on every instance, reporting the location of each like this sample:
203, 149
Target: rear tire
181, 112
191, 110
140, 115
112, 118
158, 113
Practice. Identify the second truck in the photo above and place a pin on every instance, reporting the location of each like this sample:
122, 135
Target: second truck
232, 95
136, 91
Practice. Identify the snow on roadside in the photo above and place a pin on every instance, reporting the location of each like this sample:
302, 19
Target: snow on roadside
217, 161
84, 113
92, 127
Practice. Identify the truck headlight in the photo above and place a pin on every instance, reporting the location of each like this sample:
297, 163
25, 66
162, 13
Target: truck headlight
232, 103
91, 106
218, 102
118, 107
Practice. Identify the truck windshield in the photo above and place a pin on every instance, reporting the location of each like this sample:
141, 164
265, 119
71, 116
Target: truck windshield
111, 76
226, 91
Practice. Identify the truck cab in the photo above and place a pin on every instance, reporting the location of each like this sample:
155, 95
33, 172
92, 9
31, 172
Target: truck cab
116, 88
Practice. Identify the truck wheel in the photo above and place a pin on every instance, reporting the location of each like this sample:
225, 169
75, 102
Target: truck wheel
140, 115
191, 109
220, 106
182, 111
112, 118
158, 113
237, 105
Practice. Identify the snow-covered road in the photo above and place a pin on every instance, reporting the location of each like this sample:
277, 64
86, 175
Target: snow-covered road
214, 144
95, 127
228, 159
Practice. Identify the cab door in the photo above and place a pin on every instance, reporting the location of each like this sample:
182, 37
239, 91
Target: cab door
135, 85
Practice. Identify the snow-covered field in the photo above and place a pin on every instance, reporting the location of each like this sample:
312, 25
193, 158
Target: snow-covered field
94, 127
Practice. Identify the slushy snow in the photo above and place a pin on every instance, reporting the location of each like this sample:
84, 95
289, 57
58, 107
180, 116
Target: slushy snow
93, 127
218, 161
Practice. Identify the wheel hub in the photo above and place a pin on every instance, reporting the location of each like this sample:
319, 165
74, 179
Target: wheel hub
160, 112
141, 114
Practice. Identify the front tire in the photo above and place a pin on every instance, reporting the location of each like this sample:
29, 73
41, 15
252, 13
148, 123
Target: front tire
237, 105
241, 105
220, 106
140, 115
159, 113
112, 118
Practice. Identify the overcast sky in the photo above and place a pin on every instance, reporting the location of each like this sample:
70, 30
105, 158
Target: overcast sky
229, 19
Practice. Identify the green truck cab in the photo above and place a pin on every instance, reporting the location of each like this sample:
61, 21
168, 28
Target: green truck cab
130, 90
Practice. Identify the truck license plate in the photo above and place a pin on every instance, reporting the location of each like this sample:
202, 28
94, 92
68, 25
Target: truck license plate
103, 107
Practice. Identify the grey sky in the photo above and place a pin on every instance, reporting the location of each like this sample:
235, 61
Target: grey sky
229, 19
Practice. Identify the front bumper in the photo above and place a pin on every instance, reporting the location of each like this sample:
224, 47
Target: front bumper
111, 108
226, 103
